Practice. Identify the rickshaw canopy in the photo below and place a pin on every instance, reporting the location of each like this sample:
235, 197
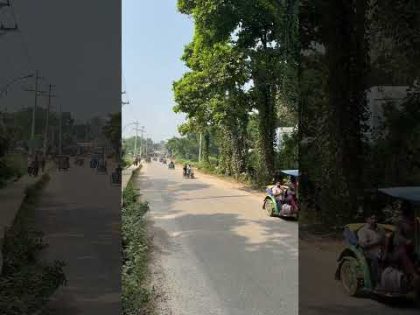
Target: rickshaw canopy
409, 193
294, 173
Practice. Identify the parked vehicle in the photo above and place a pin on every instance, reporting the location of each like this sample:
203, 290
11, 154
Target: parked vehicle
354, 270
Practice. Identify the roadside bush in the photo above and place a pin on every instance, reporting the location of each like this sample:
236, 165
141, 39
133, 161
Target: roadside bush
136, 296
26, 283
11, 166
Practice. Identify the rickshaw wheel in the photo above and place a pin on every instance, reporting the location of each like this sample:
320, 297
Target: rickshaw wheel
269, 207
349, 278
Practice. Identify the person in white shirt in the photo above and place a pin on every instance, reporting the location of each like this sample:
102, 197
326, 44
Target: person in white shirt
372, 240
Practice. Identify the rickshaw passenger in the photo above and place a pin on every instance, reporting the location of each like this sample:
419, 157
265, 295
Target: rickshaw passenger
404, 240
372, 240
277, 191
292, 193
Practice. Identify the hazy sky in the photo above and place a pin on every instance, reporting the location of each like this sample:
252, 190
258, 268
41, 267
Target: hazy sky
75, 45
153, 38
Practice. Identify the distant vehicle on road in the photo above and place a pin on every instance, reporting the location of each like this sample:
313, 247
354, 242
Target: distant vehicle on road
94, 160
63, 162
79, 161
188, 172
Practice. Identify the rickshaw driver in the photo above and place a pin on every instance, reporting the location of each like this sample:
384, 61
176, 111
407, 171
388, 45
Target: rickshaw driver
372, 240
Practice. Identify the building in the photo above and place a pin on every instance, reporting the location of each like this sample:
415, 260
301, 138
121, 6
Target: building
377, 97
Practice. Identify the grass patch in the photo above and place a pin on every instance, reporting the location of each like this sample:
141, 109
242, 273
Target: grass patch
136, 294
26, 283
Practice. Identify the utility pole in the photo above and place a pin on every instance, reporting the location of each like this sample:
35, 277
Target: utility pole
122, 102
146, 145
135, 138
35, 104
36, 94
47, 120
60, 132
141, 141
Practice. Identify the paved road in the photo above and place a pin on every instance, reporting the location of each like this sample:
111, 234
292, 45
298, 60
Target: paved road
320, 293
217, 251
80, 215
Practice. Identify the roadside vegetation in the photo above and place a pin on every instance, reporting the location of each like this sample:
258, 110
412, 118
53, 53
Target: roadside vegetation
344, 157
26, 282
136, 293
12, 166
241, 88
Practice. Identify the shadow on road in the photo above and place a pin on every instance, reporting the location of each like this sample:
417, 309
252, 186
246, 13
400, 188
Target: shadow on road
251, 263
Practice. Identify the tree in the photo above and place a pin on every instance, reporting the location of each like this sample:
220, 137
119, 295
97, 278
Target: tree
243, 56
112, 130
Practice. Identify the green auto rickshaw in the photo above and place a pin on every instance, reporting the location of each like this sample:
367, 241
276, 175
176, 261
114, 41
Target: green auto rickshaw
287, 206
354, 270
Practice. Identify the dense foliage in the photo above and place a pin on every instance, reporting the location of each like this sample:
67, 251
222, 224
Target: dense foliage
241, 86
342, 160
26, 283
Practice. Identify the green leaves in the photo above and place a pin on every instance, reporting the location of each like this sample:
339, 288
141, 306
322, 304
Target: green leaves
243, 55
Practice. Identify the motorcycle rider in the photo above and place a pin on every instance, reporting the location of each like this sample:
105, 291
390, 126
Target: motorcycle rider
189, 170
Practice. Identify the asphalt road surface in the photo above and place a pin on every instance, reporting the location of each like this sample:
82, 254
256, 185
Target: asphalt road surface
216, 250
320, 293
79, 213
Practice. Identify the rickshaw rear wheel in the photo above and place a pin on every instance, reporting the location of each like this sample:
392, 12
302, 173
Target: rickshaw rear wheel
269, 207
349, 279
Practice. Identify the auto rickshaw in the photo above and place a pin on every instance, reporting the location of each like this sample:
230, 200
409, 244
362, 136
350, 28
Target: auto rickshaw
94, 161
354, 270
279, 208
63, 162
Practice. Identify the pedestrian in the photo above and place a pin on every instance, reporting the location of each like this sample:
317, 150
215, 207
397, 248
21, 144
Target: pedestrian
43, 164
35, 166
29, 165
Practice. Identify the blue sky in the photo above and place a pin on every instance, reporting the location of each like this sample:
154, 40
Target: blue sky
153, 38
